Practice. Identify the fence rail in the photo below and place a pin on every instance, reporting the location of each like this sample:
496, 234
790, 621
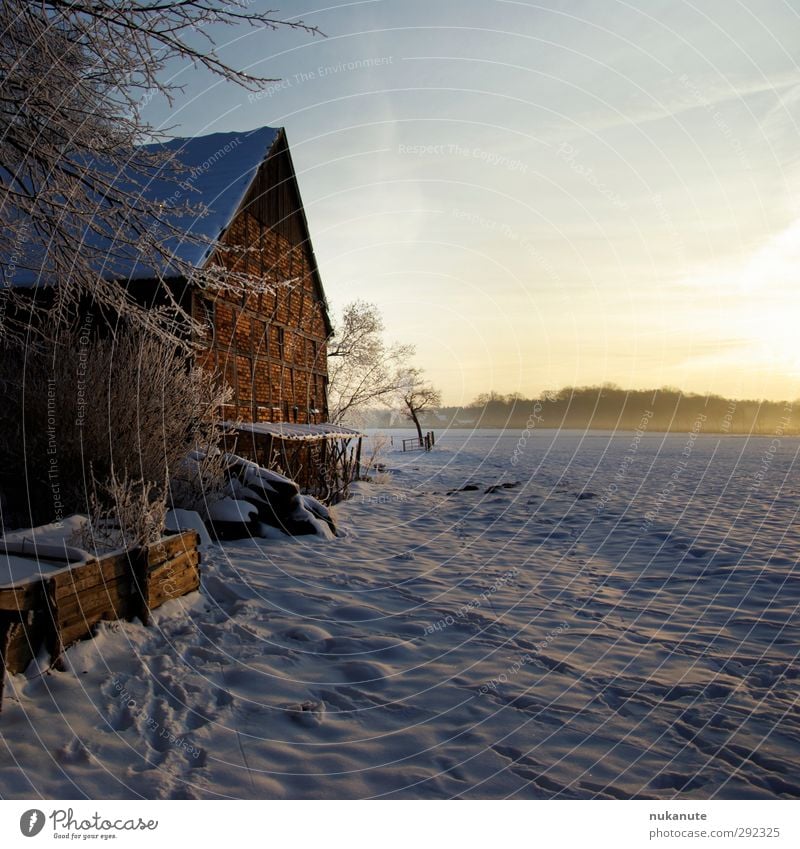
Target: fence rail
416, 444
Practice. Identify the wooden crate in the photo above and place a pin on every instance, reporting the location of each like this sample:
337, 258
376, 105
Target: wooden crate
57, 611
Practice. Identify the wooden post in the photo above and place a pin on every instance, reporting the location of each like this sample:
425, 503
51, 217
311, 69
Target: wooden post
357, 475
5, 637
55, 646
140, 582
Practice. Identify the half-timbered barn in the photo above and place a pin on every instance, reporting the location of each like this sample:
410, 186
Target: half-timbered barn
267, 337
270, 346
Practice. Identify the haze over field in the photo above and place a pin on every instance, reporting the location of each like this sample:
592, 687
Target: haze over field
608, 408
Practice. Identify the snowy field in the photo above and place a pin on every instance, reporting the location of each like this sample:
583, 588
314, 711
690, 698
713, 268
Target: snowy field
619, 621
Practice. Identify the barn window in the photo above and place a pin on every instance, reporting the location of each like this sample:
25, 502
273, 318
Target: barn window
286, 411
281, 344
205, 315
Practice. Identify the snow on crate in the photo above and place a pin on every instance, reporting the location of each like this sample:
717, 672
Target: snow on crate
56, 536
187, 520
16, 571
30, 554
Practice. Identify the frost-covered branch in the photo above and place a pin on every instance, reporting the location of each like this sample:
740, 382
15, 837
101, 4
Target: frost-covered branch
74, 80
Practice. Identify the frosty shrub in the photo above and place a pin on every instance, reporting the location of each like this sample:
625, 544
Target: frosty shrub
123, 513
90, 420
372, 467
201, 477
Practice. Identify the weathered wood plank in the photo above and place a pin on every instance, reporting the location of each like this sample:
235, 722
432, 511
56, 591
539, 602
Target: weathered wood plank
5, 629
140, 584
78, 571
170, 547
83, 624
175, 566
25, 597
25, 641
84, 604
163, 596
78, 631
188, 576
85, 578
66, 607
53, 639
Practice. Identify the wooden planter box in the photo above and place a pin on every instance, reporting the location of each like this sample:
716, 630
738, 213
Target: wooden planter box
58, 611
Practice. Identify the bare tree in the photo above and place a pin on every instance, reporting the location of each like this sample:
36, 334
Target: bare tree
75, 76
362, 369
417, 395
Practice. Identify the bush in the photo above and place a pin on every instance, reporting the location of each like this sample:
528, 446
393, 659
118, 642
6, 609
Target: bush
89, 421
122, 514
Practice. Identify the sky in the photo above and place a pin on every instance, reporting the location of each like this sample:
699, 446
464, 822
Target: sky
545, 194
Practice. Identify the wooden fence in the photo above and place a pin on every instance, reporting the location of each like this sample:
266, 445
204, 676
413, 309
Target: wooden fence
426, 443
55, 612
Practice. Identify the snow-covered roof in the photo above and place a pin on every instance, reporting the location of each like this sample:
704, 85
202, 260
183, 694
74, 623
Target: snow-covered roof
287, 430
218, 171
221, 168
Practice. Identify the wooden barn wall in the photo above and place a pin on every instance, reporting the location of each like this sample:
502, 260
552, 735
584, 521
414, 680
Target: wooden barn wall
271, 348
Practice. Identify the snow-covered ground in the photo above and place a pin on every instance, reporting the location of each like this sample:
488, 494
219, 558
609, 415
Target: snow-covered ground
619, 621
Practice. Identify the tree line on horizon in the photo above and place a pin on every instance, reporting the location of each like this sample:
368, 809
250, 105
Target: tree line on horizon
609, 407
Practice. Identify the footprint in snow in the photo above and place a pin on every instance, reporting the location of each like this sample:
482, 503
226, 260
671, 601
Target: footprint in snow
676, 781
306, 634
364, 672
309, 714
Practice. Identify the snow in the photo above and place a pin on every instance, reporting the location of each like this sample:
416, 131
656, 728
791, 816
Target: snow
15, 571
55, 537
302, 514
287, 430
231, 510
187, 520
220, 168
46, 551
258, 476
30, 554
596, 618
317, 506
269, 532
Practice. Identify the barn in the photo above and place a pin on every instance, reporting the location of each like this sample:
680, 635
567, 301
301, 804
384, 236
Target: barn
268, 340
270, 346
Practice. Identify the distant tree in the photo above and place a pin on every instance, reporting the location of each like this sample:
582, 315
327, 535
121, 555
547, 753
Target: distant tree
486, 398
417, 395
362, 370
75, 76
